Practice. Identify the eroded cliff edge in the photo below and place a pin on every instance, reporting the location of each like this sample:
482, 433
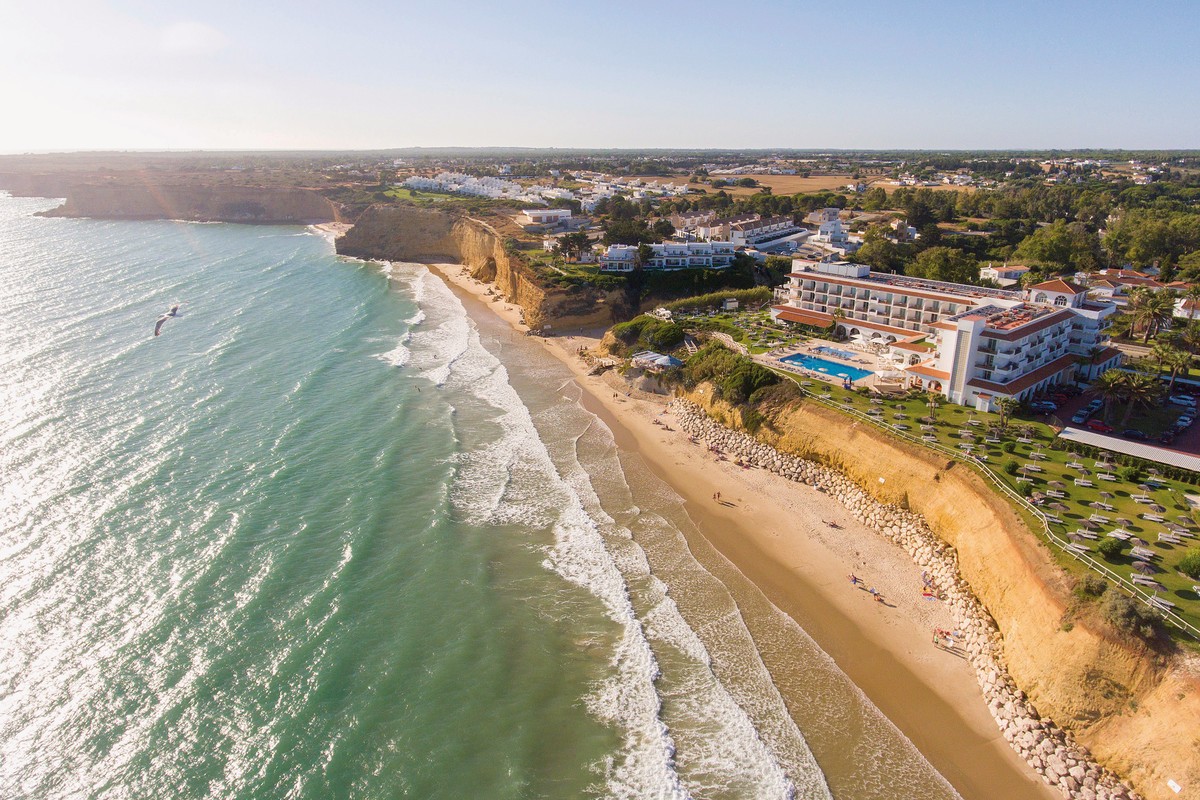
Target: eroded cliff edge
1136, 709
410, 233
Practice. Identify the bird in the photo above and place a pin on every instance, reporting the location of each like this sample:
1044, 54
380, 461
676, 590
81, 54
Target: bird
173, 312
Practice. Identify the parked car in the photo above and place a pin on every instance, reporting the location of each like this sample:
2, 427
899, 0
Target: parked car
1168, 436
1182, 400
1044, 406
1095, 405
1100, 426
1185, 421
1134, 433
1081, 416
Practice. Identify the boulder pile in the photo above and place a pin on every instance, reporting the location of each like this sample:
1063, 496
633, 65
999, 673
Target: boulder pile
1047, 748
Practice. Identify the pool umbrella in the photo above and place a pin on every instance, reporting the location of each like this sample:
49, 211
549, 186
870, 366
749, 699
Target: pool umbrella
1075, 537
1185, 518
1060, 506
1058, 484
1157, 508
1143, 567
1139, 541
1089, 524
1107, 495
1085, 471
1145, 487
1125, 521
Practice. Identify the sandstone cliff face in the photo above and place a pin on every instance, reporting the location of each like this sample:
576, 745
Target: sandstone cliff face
242, 204
409, 233
1137, 714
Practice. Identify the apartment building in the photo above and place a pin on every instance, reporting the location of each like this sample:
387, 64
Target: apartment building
752, 232
971, 344
669, 256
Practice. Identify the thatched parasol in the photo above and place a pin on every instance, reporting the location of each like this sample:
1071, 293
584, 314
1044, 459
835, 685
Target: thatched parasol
1085, 471
1107, 495
1145, 487
1089, 524
1156, 508
1125, 521
1154, 471
1075, 537
1144, 567
1060, 506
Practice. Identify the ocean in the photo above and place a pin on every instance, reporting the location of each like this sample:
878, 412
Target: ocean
330, 535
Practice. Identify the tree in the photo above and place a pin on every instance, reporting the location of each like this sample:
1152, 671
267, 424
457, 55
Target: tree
1006, 406
573, 244
1190, 563
644, 254
874, 199
944, 264
1062, 245
1140, 390
1109, 387
1151, 310
1110, 548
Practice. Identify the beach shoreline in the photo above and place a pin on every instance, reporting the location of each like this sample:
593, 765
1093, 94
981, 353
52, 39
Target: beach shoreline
775, 533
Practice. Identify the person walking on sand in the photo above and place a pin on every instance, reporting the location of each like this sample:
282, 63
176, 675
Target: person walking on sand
853, 579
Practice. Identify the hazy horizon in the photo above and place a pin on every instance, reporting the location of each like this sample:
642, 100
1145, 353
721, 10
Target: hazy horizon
95, 75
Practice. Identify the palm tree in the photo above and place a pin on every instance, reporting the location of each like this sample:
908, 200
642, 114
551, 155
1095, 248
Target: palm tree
1006, 406
1180, 361
1141, 390
1109, 387
1150, 311
1162, 352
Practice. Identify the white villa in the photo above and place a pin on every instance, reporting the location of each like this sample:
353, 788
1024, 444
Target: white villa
669, 256
1005, 275
544, 216
752, 232
970, 344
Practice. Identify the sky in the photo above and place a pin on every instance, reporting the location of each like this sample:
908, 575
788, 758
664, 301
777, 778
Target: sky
232, 74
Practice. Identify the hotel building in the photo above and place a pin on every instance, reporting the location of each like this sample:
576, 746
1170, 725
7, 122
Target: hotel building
971, 344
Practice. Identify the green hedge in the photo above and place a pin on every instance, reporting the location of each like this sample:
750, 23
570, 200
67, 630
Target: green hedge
760, 294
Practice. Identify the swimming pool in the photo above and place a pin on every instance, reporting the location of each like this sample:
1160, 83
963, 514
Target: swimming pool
833, 351
831, 368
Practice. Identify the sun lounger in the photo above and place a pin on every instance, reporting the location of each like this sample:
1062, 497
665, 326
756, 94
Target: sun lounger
1140, 498
1052, 518
1100, 519
1032, 468
1023, 479
1075, 547
929, 437
1074, 465
1055, 493
1169, 538
992, 440
1158, 602
1083, 482
1144, 553
1106, 476
1107, 507
1038, 456
1142, 580
1153, 517
1025, 440
1118, 533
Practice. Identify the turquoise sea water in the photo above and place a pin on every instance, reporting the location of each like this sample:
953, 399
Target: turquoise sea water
327, 536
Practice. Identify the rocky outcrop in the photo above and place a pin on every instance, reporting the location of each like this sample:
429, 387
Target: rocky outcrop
194, 203
410, 233
1051, 751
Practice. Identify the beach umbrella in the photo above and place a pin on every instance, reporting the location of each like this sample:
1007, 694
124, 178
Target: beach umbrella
1145, 487
1104, 464
1185, 518
1125, 521
1143, 567
1096, 504
1089, 524
1075, 537
1154, 471
1107, 495
1060, 506
1137, 540
1085, 471
1157, 508
1058, 484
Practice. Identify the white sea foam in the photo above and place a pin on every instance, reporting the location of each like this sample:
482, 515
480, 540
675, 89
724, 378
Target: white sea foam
514, 480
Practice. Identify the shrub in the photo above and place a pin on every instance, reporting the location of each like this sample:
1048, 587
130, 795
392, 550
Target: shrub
1110, 548
1129, 616
1026, 489
665, 336
1091, 585
1011, 467
1190, 563
1131, 474
1009, 447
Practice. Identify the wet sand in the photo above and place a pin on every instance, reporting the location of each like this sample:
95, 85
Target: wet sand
774, 533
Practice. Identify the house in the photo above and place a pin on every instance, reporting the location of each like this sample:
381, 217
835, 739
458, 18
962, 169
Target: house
1005, 275
970, 344
544, 216
756, 231
669, 256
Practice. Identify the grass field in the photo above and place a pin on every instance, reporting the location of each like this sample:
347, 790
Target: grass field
1079, 512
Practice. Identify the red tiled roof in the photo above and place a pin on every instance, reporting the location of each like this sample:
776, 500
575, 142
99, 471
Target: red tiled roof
928, 371
914, 346
1060, 286
1025, 381
802, 316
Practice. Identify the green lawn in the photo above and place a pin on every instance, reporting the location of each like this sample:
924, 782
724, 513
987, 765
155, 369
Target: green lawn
950, 419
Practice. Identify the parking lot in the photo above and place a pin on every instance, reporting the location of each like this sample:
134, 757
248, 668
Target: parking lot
1186, 442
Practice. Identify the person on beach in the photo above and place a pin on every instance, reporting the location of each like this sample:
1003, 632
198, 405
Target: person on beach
853, 579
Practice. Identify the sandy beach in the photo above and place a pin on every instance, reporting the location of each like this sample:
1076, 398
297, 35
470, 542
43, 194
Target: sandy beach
776, 533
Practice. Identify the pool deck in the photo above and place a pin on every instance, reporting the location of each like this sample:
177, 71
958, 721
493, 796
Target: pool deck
866, 361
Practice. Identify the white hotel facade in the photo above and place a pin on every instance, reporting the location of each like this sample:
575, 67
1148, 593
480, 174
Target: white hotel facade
971, 344
669, 255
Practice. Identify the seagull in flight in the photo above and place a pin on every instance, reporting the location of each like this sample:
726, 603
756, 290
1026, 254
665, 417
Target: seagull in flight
173, 312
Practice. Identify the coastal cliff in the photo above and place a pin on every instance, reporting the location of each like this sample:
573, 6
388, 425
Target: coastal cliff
1134, 709
194, 203
409, 233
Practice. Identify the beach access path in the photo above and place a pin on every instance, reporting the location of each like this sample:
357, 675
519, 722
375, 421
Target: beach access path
774, 532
